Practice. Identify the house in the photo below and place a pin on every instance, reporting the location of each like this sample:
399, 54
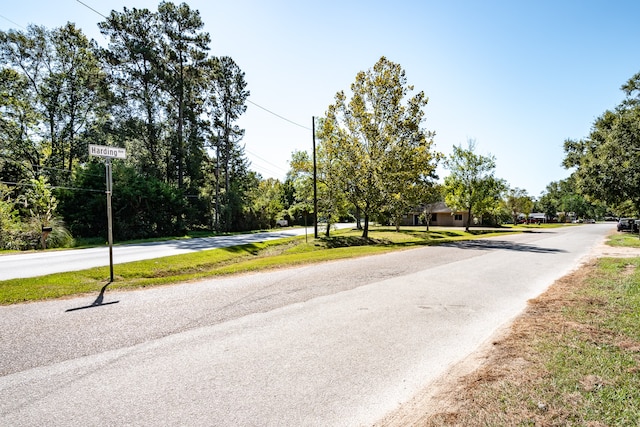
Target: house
441, 215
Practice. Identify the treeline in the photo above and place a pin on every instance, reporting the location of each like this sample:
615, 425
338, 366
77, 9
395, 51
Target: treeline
157, 91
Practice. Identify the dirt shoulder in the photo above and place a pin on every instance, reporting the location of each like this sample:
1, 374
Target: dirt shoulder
451, 398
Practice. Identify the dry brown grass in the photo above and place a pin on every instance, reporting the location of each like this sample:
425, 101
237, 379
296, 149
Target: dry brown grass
509, 384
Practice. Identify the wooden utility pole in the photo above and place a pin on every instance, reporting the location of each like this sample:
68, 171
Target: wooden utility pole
315, 187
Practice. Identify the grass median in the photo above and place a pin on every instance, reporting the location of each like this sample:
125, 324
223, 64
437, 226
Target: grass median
233, 260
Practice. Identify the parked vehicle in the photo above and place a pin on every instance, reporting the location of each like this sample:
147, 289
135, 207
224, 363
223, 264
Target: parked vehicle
627, 224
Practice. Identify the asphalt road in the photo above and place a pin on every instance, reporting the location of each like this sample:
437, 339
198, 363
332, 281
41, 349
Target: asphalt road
47, 262
336, 344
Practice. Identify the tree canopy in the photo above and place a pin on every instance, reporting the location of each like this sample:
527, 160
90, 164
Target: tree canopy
375, 146
607, 162
471, 185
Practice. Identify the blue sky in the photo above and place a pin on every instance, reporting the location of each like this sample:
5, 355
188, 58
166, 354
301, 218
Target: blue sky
518, 77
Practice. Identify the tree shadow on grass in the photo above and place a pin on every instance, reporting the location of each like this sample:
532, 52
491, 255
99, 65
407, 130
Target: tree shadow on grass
349, 241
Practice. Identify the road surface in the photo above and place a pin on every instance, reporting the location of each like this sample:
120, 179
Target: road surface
336, 344
40, 263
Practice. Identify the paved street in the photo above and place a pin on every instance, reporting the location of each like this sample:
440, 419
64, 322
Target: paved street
46, 262
335, 344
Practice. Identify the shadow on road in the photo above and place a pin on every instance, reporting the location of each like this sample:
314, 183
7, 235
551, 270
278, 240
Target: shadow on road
97, 303
501, 244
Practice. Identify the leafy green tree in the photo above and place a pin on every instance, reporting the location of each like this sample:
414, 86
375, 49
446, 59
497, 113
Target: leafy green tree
18, 121
332, 203
66, 86
375, 142
607, 162
83, 204
300, 176
471, 185
268, 202
9, 219
429, 198
561, 198
518, 202
37, 206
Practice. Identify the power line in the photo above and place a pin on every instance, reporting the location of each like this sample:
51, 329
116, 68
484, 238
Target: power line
249, 101
14, 23
24, 184
264, 160
279, 116
90, 8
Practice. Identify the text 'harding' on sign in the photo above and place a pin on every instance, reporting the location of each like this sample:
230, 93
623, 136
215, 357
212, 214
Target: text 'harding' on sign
110, 152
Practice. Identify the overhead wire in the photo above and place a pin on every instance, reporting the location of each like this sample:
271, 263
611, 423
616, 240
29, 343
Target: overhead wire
249, 101
25, 184
264, 160
14, 23
278, 115
90, 8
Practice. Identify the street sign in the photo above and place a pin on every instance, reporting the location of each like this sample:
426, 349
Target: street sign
107, 152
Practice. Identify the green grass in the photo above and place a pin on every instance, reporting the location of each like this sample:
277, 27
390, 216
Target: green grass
600, 360
625, 239
234, 260
572, 358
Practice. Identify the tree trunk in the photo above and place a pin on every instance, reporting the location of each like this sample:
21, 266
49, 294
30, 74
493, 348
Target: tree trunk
365, 230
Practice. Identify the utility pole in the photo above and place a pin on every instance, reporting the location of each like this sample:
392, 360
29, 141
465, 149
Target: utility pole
315, 177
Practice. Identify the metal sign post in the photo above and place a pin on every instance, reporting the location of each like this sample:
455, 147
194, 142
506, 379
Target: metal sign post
109, 217
108, 153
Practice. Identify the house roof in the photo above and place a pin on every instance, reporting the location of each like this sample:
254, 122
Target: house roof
439, 207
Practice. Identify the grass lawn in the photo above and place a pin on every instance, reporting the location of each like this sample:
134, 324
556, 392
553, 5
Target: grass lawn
233, 260
625, 239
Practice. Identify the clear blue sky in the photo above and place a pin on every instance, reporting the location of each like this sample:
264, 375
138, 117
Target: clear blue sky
519, 77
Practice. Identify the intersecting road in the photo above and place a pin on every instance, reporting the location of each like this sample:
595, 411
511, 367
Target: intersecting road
41, 263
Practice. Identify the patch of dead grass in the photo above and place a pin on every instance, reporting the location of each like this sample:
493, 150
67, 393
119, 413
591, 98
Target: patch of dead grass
513, 366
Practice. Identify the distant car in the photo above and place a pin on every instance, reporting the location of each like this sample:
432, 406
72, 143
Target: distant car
282, 223
590, 221
627, 224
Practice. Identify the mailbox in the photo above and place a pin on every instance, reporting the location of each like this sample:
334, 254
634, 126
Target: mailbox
47, 229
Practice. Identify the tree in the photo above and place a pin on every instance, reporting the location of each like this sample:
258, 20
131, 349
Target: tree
429, 199
66, 86
607, 162
471, 185
133, 61
183, 49
228, 98
300, 176
377, 147
331, 199
518, 202
18, 121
